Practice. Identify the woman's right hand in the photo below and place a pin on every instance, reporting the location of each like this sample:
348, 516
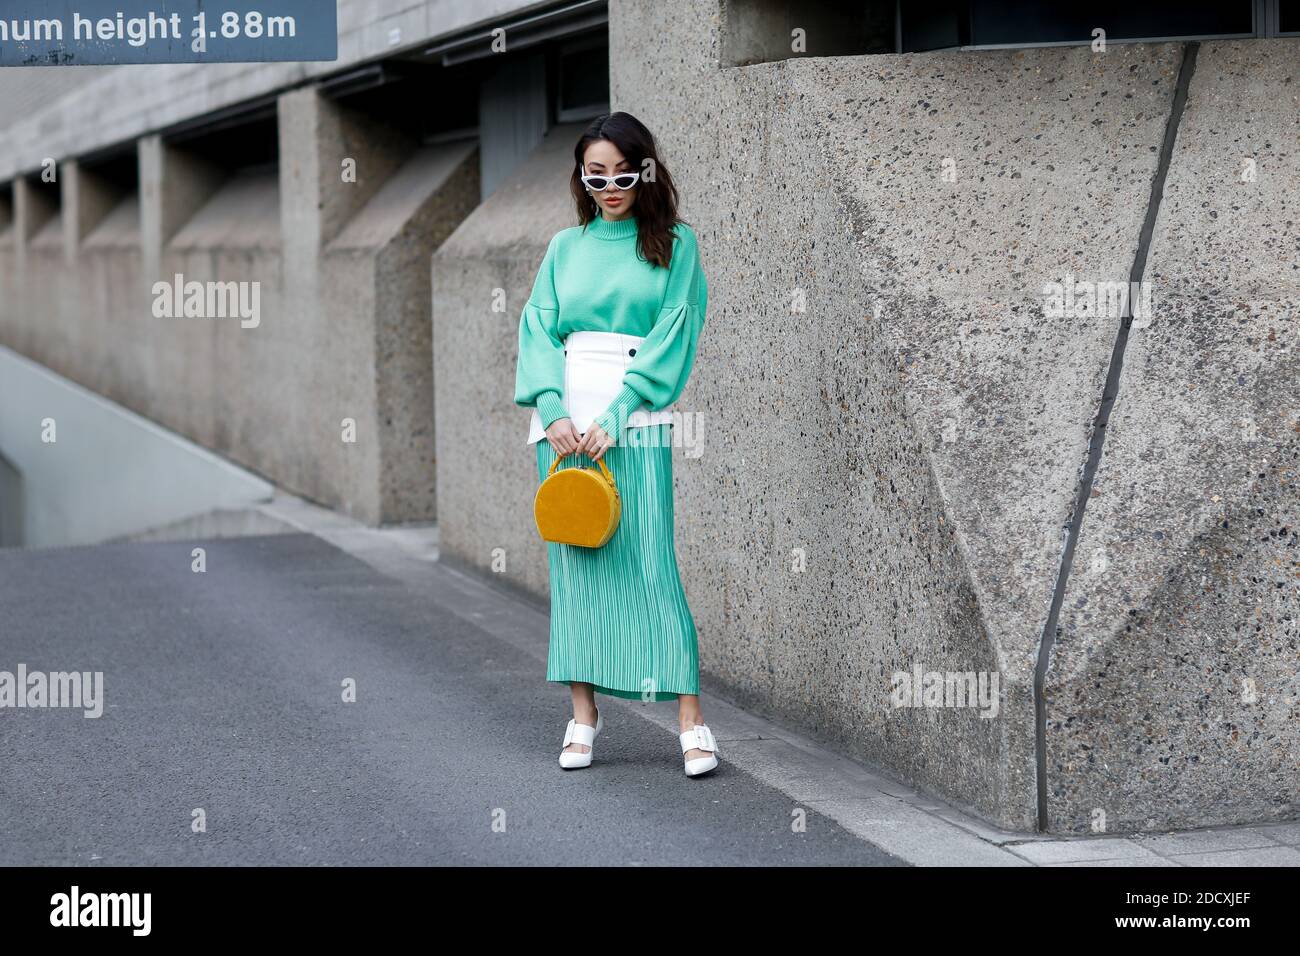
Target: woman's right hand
562, 436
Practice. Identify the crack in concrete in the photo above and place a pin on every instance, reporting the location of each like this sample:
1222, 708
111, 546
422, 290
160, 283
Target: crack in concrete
1109, 393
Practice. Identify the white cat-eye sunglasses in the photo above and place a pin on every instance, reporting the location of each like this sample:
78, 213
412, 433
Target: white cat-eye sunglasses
621, 181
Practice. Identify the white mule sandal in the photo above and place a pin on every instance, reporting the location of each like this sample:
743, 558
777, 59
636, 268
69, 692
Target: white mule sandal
699, 737
583, 734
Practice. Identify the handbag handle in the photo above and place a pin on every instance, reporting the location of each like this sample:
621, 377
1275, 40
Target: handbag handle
609, 476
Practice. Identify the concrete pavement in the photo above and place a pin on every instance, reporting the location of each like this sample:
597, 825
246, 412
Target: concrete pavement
224, 694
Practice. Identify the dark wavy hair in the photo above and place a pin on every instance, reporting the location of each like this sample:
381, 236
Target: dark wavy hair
656, 200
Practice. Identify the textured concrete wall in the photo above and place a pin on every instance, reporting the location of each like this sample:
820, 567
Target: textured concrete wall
1175, 700
920, 430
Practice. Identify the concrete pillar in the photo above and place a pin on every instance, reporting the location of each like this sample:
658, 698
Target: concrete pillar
87, 199
317, 137
174, 183
333, 160
35, 204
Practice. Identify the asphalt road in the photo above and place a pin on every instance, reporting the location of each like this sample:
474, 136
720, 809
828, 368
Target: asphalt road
224, 692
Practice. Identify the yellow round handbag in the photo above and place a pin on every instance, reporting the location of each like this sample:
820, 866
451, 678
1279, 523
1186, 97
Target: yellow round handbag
579, 506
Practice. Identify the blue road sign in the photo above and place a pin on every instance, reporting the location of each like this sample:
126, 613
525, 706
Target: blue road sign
86, 32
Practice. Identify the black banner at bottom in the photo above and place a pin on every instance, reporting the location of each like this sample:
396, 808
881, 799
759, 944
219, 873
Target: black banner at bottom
945, 906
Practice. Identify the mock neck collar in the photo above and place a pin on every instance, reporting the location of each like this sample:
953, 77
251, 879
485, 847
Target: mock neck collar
602, 228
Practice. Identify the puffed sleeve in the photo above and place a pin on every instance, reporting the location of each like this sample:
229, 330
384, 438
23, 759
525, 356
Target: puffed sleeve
657, 374
539, 372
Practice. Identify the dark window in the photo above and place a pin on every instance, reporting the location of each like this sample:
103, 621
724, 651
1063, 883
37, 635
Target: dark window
934, 25
583, 83
759, 31
424, 102
1288, 16
238, 140
995, 22
119, 169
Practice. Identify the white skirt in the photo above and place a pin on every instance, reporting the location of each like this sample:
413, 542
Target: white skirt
594, 366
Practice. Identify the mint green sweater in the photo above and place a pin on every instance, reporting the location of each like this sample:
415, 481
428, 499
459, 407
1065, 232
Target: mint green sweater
592, 279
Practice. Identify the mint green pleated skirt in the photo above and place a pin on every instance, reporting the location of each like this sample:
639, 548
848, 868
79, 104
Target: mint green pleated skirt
619, 618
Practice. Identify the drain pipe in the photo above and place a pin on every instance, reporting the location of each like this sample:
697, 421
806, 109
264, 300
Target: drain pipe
1109, 393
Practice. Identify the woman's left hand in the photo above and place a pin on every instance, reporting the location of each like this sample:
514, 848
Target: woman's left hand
595, 442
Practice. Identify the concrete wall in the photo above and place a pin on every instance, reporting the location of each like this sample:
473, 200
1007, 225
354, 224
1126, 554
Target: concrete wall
1175, 683
974, 474
339, 266
29, 90
892, 433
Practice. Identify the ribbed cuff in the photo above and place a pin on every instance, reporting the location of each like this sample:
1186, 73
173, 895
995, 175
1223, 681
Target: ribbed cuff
550, 408
614, 418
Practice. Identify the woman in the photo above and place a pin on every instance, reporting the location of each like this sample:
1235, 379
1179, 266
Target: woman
606, 343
